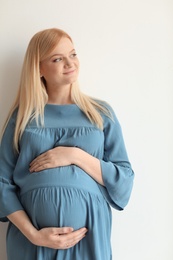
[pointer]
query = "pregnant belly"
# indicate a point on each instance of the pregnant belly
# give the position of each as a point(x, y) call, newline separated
point(62, 197)
point(57, 207)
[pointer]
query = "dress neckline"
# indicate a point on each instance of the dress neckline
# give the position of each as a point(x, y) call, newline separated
point(70, 108)
point(58, 105)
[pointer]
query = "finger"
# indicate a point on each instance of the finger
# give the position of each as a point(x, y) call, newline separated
point(76, 239)
point(67, 238)
point(38, 162)
point(75, 235)
point(38, 168)
point(38, 158)
point(80, 231)
point(64, 230)
point(79, 234)
point(72, 242)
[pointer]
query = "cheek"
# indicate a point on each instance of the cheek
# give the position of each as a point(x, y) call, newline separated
point(52, 72)
point(48, 68)
point(77, 64)
point(44, 70)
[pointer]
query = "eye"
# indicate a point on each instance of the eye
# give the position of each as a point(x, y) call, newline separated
point(73, 55)
point(57, 60)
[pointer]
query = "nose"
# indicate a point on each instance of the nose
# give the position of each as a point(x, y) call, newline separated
point(68, 63)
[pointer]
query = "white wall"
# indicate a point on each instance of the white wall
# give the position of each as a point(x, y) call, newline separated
point(126, 53)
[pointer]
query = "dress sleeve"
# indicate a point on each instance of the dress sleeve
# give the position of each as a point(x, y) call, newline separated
point(116, 169)
point(9, 201)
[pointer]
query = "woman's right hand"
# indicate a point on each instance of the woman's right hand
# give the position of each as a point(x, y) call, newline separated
point(58, 238)
point(53, 237)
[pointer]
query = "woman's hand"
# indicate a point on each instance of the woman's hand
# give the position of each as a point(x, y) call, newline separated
point(64, 156)
point(58, 238)
point(52, 237)
point(56, 157)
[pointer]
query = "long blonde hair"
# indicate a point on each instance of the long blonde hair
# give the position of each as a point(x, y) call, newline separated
point(32, 95)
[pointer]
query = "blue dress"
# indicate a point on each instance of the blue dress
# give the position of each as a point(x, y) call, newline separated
point(64, 196)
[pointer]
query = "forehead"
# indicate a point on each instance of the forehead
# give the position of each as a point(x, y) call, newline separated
point(64, 46)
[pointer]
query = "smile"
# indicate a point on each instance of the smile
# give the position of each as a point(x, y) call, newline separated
point(69, 72)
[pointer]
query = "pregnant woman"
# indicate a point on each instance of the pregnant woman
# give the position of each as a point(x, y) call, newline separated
point(63, 162)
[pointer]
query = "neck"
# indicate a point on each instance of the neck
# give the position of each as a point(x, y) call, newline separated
point(60, 96)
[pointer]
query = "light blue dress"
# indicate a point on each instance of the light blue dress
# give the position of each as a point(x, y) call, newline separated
point(64, 196)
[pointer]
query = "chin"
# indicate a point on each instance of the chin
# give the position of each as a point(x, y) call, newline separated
point(71, 81)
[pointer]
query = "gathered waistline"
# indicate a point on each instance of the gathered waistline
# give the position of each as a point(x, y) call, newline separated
point(88, 184)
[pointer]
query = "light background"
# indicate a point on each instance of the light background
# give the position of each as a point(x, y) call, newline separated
point(126, 54)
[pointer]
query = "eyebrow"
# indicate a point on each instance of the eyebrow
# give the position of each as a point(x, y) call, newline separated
point(60, 54)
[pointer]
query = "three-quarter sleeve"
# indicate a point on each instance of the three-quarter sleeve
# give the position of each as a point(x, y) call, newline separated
point(9, 201)
point(116, 169)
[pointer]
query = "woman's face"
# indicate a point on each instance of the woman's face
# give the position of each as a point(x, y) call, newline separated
point(62, 66)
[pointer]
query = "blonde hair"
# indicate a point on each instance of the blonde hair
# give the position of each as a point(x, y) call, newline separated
point(32, 96)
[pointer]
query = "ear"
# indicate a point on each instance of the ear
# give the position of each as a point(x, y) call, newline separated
point(41, 73)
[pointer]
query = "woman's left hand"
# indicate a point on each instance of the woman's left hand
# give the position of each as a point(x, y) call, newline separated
point(64, 156)
point(56, 157)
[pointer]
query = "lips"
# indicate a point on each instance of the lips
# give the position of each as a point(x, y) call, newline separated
point(69, 72)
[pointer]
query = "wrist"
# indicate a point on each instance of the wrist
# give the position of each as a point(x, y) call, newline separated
point(21, 220)
point(75, 155)
point(32, 235)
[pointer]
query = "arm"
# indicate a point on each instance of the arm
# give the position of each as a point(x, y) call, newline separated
point(89, 164)
point(116, 169)
point(57, 238)
point(11, 208)
point(113, 171)
point(9, 201)
point(63, 156)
